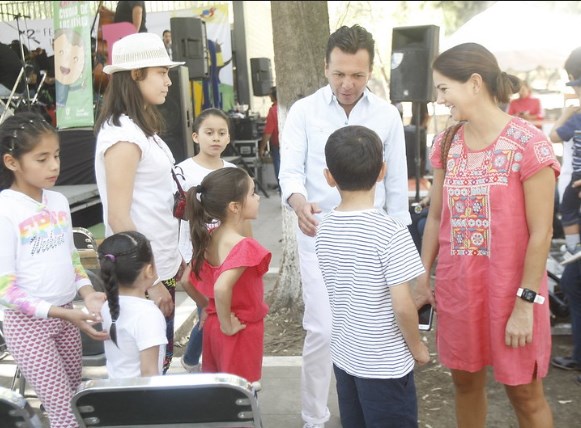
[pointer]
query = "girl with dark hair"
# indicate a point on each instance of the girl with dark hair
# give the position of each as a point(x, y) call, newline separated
point(40, 268)
point(490, 228)
point(211, 131)
point(133, 164)
point(227, 267)
point(135, 324)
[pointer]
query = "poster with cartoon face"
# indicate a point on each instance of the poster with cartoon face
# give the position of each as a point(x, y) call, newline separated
point(69, 62)
point(72, 63)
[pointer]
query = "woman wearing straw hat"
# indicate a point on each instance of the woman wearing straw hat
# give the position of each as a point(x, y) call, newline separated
point(133, 164)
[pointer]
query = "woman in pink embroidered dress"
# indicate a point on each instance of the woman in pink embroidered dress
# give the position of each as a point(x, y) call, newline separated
point(490, 227)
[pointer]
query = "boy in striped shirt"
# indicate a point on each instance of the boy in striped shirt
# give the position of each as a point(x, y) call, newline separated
point(367, 258)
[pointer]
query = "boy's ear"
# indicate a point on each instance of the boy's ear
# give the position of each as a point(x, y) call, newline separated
point(382, 172)
point(329, 177)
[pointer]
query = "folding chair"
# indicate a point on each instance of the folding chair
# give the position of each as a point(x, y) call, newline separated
point(16, 412)
point(85, 243)
point(171, 401)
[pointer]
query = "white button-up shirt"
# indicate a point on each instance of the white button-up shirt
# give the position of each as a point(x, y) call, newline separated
point(308, 125)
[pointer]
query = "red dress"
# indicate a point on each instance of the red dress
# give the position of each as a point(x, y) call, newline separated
point(240, 354)
point(482, 244)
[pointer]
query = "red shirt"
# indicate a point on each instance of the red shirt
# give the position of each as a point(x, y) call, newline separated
point(271, 126)
point(528, 105)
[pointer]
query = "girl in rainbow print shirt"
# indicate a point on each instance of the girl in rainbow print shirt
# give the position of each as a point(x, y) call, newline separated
point(40, 268)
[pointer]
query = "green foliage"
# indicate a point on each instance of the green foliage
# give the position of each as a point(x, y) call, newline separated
point(457, 13)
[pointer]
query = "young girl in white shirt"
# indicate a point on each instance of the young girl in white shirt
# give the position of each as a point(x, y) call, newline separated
point(40, 268)
point(135, 324)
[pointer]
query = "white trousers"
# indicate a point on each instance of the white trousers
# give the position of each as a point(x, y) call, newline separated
point(317, 366)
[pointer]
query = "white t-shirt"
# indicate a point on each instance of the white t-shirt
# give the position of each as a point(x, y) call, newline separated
point(153, 190)
point(362, 254)
point(39, 264)
point(193, 174)
point(141, 325)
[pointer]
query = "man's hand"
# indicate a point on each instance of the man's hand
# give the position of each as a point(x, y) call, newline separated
point(305, 211)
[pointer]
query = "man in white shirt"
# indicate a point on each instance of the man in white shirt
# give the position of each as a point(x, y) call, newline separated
point(310, 121)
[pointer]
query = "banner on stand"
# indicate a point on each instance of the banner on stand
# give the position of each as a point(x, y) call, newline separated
point(73, 66)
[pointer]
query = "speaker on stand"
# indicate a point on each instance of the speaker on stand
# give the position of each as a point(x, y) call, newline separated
point(413, 49)
point(261, 71)
point(190, 44)
point(178, 114)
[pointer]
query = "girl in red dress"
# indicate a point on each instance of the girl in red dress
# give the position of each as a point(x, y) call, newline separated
point(227, 267)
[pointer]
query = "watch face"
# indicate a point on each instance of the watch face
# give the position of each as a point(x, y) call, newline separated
point(528, 295)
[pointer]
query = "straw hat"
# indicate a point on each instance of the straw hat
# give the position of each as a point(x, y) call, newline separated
point(139, 50)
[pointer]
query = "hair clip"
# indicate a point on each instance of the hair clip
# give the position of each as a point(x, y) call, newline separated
point(110, 257)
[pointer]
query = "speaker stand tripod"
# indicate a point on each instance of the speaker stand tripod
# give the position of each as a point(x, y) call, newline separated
point(249, 170)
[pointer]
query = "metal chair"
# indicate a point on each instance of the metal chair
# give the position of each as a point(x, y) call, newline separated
point(16, 412)
point(171, 401)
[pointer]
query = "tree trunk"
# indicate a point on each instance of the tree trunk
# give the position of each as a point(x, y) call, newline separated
point(300, 33)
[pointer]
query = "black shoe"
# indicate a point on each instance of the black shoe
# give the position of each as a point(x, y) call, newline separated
point(565, 363)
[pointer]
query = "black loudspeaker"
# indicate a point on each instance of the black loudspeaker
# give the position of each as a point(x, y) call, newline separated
point(190, 44)
point(413, 49)
point(261, 71)
point(244, 128)
point(178, 114)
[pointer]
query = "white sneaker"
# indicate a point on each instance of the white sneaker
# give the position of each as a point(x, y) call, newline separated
point(308, 425)
point(571, 257)
point(195, 368)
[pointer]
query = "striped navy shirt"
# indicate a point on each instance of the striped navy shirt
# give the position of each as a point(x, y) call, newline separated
point(361, 255)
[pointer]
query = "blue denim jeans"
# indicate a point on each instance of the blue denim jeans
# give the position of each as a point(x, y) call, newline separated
point(193, 350)
point(376, 403)
point(275, 155)
point(571, 286)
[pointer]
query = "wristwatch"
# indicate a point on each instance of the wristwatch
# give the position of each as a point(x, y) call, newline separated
point(530, 296)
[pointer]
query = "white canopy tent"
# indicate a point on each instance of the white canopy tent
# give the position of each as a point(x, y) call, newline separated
point(522, 35)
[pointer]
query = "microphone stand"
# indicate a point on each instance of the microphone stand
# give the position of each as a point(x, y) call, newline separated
point(26, 88)
point(417, 157)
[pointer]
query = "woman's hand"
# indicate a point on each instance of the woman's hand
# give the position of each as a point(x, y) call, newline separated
point(519, 328)
point(422, 291)
point(161, 297)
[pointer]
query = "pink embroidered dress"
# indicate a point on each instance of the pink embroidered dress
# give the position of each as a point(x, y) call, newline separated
point(483, 239)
